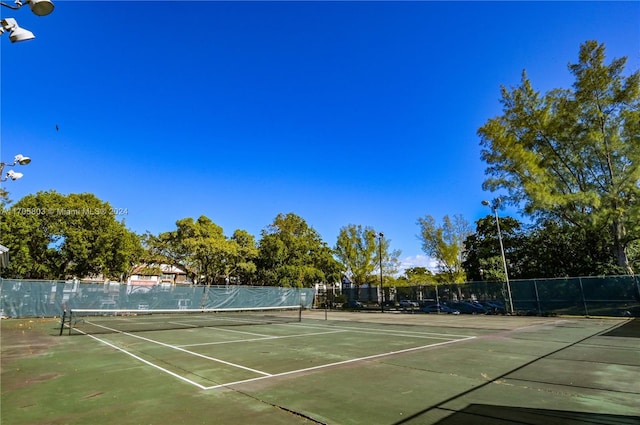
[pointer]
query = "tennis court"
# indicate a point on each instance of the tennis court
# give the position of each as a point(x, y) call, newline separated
point(335, 368)
point(213, 353)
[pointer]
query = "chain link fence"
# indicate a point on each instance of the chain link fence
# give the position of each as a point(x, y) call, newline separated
point(33, 298)
point(584, 296)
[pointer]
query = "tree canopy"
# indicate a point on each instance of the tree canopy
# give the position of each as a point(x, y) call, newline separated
point(201, 247)
point(444, 243)
point(358, 249)
point(292, 254)
point(57, 236)
point(573, 154)
point(483, 259)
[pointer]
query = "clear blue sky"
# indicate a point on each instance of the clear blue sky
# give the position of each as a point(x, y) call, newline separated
point(340, 112)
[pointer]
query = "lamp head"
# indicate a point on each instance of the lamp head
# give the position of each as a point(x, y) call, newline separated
point(21, 159)
point(13, 175)
point(16, 33)
point(485, 203)
point(41, 7)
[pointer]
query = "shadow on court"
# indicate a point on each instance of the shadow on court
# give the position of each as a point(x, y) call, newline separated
point(481, 414)
point(385, 369)
point(630, 329)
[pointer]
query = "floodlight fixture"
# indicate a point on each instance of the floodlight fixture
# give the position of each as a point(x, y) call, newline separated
point(16, 34)
point(41, 7)
point(17, 160)
point(38, 7)
point(13, 175)
point(380, 237)
point(495, 205)
point(21, 159)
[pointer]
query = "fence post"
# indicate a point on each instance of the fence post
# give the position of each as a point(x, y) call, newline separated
point(584, 301)
point(535, 288)
point(64, 317)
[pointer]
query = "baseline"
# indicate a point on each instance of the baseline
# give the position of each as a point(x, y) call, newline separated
point(265, 375)
point(328, 365)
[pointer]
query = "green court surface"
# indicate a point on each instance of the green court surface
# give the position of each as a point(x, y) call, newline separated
point(334, 368)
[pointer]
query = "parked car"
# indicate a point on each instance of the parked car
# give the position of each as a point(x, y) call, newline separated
point(408, 304)
point(354, 304)
point(466, 307)
point(435, 308)
point(494, 307)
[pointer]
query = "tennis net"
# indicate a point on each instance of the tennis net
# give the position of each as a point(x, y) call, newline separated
point(101, 321)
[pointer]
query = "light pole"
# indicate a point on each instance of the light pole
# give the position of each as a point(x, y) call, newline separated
point(380, 236)
point(17, 160)
point(16, 33)
point(494, 207)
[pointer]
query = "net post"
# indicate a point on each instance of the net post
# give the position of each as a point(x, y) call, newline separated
point(64, 317)
point(300, 313)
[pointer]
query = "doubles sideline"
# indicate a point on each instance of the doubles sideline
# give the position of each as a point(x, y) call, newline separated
point(448, 339)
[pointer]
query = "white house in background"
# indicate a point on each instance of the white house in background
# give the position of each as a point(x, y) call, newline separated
point(146, 276)
point(4, 256)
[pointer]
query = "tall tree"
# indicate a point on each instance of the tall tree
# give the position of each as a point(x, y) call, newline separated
point(573, 154)
point(199, 246)
point(358, 248)
point(244, 252)
point(553, 249)
point(292, 254)
point(483, 258)
point(546, 250)
point(419, 276)
point(444, 243)
point(55, 236)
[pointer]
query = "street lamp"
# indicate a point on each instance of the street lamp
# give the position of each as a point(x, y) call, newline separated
point(380, 236)
point(16, 33)
point(12, 175)
point(494, 207)
point(38, 7)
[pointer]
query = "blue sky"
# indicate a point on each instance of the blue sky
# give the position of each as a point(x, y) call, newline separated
point(340, 112)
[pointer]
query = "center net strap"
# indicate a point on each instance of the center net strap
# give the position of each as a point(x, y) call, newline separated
point(100, 321)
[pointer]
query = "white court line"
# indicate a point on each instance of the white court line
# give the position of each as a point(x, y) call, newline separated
point(260, 339)
point(264, 374)
point(383, 331)
point(122, 350)
point(217, 328)
point(360, 359)
point(183, 350)
point(213, 328)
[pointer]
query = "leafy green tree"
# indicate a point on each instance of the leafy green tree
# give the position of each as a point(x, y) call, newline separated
point(556, 249)
point(55, 236)
point(292, 254)
point(244, 252)
point(358, 249)
point(444, 243)
point(483, 258)
point(415, 276)
point(199, 246)
point(547, 250)
point(573, 155)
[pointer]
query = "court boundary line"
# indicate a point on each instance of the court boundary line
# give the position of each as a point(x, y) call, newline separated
point(265, 375)
point(265, 338)
point(147, 362)
point(340, 363)
point(438, 335)
point(174, 347)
